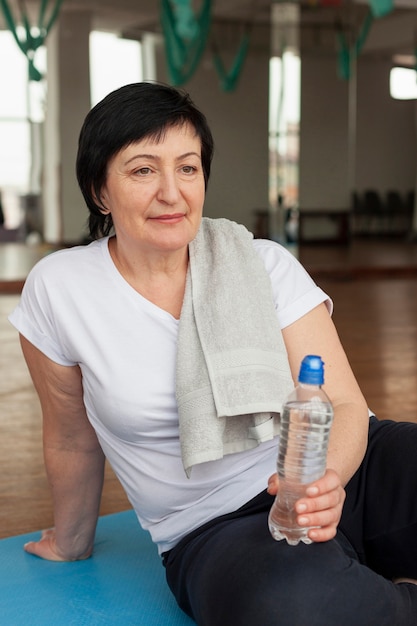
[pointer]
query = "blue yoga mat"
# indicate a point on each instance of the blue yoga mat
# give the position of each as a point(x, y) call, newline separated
point(123, 583)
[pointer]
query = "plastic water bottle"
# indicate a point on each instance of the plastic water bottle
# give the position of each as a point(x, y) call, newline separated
point(305, 426)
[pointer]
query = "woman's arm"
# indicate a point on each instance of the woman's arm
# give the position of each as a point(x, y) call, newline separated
point(322, 506)
point(315, 333)
point(73, 458)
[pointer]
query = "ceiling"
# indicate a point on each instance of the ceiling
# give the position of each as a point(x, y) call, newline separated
point(144, 14)
point(133, 17)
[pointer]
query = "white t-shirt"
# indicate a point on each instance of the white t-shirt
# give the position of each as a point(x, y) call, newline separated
point(78, 309)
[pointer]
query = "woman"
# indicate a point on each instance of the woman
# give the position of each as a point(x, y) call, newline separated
point(127, 339)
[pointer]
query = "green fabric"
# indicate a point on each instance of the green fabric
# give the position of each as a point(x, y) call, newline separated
point(34, 37)
point(343, 57)
point(186, 26)
point(346, 53)
point(185, 37)
point(364, 32)
point(228, 80)
point(380, 8)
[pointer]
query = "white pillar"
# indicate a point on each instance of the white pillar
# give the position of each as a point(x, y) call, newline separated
point(414, 222)
point(284, 115)
point(150, 42)
point(51, 166)
point(68, 102)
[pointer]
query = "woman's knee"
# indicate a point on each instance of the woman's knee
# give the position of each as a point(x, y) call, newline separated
point(318, 585)
point(237, 575)
point(277, 585)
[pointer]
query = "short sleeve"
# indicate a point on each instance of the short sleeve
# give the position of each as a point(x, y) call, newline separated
point(294, 291)
point(34, 315)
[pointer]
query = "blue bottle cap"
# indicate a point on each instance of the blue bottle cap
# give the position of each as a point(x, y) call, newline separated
point(311, 370)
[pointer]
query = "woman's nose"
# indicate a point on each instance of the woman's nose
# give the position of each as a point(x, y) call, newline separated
point(168, 188)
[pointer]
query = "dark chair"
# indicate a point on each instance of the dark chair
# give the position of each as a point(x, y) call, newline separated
point(410, 199)
point(410, 202)
point(361, 222)
point(395, 209)
point(375, 209)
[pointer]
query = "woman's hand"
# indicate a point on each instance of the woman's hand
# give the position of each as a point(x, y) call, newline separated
point(322, 506)
point(46, 548)
point(73, 456)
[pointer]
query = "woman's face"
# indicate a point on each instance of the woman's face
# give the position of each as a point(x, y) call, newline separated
point(155, 191)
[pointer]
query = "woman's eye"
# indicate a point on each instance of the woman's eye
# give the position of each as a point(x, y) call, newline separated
point(188, 169)
point(143, 171)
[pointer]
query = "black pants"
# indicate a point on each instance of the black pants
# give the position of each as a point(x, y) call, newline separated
point(230, 572)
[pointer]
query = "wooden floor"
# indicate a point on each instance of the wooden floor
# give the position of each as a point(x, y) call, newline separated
point(374, 288)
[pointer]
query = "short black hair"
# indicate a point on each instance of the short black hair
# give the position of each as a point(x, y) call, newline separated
point(125, 116)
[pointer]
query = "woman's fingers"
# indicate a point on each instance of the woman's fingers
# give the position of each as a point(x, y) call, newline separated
point(321, 507)
point(273, 484)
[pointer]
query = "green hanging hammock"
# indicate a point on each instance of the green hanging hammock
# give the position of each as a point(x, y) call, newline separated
point(346, 53)
point(380, 8)
point(34, 36)
point(228, 80)
point(185, 37)
point(377, 8)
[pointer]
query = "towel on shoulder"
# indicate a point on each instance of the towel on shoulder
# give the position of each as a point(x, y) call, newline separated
point(232, 373)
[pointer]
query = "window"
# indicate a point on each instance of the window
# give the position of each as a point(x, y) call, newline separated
point(21, 104)
point(403, 83)
point(21, 108)
point(114, 62)
point(284, 120)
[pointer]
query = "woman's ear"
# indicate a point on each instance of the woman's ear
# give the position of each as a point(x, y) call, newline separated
point(104, 210)
point(99, 200)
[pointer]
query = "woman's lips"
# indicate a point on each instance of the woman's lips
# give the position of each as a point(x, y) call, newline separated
point(169, 218)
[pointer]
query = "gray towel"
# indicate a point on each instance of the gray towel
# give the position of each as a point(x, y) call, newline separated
point(232, 367)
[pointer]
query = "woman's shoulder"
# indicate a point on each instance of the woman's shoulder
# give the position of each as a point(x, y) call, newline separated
point(274, 254)
point(66, 262)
